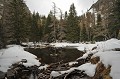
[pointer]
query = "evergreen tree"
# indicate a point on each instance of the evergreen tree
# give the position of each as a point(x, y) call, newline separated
point(114, 24)
point(1, 35)
point(38, 24)
point(99, 31)
point(41, 24)
point(66, 15)
point(48, 24)
point(19, 20)
point(5, 24)
point(38, 20)
point(99, 20)
point(34, 27)
point(84, 35)
point(48, 28)
point(72, 25)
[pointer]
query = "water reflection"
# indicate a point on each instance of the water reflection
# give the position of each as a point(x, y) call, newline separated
point(52, 55)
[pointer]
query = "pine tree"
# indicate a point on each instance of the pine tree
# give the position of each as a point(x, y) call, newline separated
point(41, 25)
point(48, 28)
point(99, 20)
point(84, 35)
point(66, 15)
point(34, 27)
point(19, 20)
point(99, 30)
point(114, 24)
point(5, 25)
point(72, 25)
point(48, 24)
point(1, 36)
point(37, 27)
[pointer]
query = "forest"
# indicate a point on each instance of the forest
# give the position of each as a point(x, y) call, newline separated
point(61, 45)
point(18, 24)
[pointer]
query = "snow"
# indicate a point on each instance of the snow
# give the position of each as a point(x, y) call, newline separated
point(79, 46)
point(111, 58)
point(86, 47)
point(72, 63)
point(104, 50)
point(43, 67)
point(55, 73)
point(14, 54)
point(109, 44)
point(64, 44)
point(88, 68)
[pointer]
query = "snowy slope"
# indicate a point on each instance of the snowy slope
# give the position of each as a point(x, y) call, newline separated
point(108, 56)
point(105, 50)
point(13, 54)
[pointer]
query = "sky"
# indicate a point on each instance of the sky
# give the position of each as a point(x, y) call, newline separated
point(43, 7)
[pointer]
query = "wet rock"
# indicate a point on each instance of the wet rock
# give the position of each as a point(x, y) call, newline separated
point(84, 60)
point(94, 48)
point(2, 75)
point(18, 72)
point(77, 74)
point(116, 49)
point(81, 61)
point(88, 57)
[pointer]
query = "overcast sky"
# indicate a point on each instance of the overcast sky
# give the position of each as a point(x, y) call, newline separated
point(44, 6)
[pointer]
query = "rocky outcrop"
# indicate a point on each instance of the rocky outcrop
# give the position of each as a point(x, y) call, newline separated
point(102, 72)
point(2, 75)
point(95, 60)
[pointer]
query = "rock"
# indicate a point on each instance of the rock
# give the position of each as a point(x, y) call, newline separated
point(81, 61)
point(2, 75)
point(106, 73)
point(88, 57)
point(94, 48)
point(116, 49)
point(77, 74)
point(102, 72)
point(95, 60)
point(11, 72)
point(24, 61)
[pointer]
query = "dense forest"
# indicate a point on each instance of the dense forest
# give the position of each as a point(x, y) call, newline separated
point(18, 25)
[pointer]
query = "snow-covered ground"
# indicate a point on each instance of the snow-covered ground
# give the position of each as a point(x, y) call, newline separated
point(110, 57)
point(88, 68)
point(14, 54)
point(105, 50)
point(79, 46)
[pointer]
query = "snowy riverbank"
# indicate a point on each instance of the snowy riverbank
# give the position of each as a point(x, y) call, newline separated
point(106, 50)
point(14, 54)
